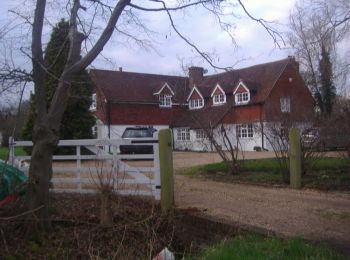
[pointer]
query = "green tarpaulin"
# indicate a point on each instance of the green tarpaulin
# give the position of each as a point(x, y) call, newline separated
point(11, 181)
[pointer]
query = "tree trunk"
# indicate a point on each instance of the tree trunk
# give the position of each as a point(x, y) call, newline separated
point(348, 153)
point(40, 173)
point(106, 218)
point(233, 167)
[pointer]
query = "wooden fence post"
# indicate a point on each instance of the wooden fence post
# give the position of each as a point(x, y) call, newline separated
point(166, 170)
point(11, 153)
point(295, 159)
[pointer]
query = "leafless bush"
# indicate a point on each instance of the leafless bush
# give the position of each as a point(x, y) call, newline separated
point(107, 181)
point(276, 133)
point(227, 145)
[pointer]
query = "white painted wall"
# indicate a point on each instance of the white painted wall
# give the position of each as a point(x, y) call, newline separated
point(194, 144)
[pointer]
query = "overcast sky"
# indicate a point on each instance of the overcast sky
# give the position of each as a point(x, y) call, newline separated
point(253, 44)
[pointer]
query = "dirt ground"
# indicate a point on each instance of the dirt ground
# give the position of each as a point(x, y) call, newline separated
point(313, 215)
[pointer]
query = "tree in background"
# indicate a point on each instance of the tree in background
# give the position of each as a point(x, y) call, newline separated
point(316, 29)
point(325, 98)
point(77, 121)
point(11, 121)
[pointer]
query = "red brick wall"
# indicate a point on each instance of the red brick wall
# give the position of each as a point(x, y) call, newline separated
point(301, 101)
point(137, 114)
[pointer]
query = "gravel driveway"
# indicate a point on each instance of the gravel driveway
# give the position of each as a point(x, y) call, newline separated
point(313, 215)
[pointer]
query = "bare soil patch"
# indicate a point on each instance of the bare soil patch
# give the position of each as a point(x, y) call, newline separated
point(139, 231)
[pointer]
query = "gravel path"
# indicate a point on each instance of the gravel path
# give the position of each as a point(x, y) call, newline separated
point(313, 215)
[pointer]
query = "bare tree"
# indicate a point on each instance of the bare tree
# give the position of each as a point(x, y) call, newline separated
point(85, 44)
point(317, 25)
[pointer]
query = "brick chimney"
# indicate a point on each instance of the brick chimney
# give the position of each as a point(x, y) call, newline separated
point(195, 75)
point(293, 61)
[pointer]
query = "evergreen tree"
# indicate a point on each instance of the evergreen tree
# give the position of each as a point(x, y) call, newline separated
point(325, 98)
point(77, 120)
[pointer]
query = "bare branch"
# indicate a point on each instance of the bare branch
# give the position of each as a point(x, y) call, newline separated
point(275, 35)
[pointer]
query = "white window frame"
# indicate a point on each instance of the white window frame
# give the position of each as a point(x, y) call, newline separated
point(93, 103)
point(94, 131)
point(245, 131)
point(242, 98)
point(200, 134)
point(183, 134)
point(219, 99)
point(165, 100)
point(285, 104)
point(196, 103)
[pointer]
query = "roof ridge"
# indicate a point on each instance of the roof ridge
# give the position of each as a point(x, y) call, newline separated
point(139, 73)
point(249, 67)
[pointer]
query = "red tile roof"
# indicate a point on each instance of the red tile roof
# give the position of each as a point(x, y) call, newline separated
point(120, 86)
point(130, 87)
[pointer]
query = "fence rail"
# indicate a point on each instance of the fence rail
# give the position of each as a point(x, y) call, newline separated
point(80, 173)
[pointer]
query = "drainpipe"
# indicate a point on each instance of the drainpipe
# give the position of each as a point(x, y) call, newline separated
point(109, 118)
point(108, 111)
point(172, 133)
point(262, 129)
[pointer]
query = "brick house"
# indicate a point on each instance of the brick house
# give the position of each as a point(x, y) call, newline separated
point(241, 100)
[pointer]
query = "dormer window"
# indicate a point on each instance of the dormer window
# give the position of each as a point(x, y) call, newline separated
point(195, 99)
point(218, 99)
point(242, 97)
point(165, 95)
point(242, 94)
point(196, 103)
point(218, 95)
point(165, 100)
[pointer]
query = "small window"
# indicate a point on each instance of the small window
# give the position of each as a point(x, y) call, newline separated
point(164, 100)
point(285, 104)
point(200, 134)
point(183, 134)
point(244, 131)
point(219, 99)
point(242, 98)
point(93, 103)
point(196, 103)
point(94, 131)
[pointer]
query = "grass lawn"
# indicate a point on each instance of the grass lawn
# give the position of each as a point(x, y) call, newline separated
point(18, 151)
point(326, 173)
point(253, 246)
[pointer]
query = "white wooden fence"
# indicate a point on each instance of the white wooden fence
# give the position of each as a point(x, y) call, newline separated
point(81, 173)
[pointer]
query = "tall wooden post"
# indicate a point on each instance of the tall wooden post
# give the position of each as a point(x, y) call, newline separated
point(295, 159)
point(166, 170)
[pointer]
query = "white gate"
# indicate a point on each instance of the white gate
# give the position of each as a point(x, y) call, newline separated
point(96, 162)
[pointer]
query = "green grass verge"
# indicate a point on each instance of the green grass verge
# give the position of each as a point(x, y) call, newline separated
point(253, 246)
point(323, 173)
point(267, 165)
point(18, 151)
